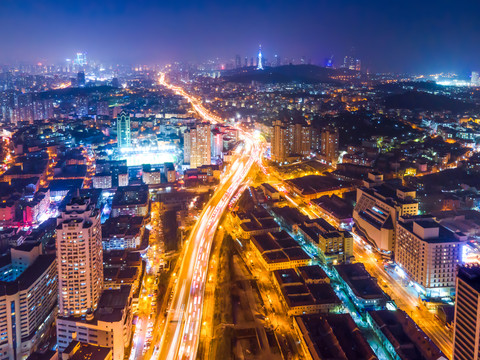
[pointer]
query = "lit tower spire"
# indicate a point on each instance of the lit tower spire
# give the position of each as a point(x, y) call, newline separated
point(260, 65)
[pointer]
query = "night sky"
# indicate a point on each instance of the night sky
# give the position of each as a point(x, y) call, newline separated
point(388, 35)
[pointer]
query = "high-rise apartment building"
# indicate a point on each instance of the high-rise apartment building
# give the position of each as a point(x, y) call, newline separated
point(217, 144)
point(429, 253)
point(290, 140)
point(123, 130)
point(101, 318)
point(279, 142)
point(466, 334)
point(197, 145)
point(28, 297)
point(80, 258)
point(329, 143)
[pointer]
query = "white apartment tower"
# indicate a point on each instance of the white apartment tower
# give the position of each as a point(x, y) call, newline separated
point(199, 140)
point(79, 258)
point(429, 253)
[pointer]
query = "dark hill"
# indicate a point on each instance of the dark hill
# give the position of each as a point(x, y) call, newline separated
point(283, 74)
point(417, 100)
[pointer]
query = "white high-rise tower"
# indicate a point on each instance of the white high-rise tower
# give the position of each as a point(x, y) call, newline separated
point(79, 258)
point(260, 60)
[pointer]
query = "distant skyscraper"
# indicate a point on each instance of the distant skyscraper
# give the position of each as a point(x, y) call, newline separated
point(199, 141)
point(329, 143)
point(79, 258)
point(278, 60)
point(245, 63)
point(123, 130)
point(238, 62)
point(466, 338)
point(80, 59)
point(115, 82)
point(351, 63)
point(81, 79)
point(475, 79)
point(260, 59)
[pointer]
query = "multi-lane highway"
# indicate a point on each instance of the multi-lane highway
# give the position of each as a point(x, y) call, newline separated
point(179, 334)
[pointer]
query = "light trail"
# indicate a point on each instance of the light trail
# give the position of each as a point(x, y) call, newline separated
point(181, 332)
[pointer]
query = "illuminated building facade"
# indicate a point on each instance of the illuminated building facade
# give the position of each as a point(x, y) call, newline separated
point(429, 253)
point(290, 140)
point(80, 259)
point(27, 301)
point(329, 143)
point(199, 149)
point(123, 130)
point(378, 207)
point(466, 338)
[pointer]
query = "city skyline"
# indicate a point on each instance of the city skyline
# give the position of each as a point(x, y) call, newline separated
point(384, 37)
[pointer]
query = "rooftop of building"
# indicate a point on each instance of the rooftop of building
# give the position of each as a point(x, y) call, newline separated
point(65, 184)
point(334, 336)
point(28, 277)
point(470, 275)
point(335, 205)
point(290, 215)
point(82, 351)
point(122, 226)
point(360, 281)
point(269, 188)
point(408, 340)
point(130, 195)
point(388, 193)
point(312, 184)
point(444, 235)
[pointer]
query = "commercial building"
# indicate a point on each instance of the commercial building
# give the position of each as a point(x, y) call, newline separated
point(306, 296)
point(197, 145)
point(361, 286)
point(332, 336)
point(256, 222)
point(123, 130)
point(429, 254)
point(79, 255)
point(122, 232)
point(81, 351)
point(337, 211)
point(170, 172)
point(401, 337)
point(466, 339)
point(27, 300)
point(333, 246)
point(270, 192)
point(378, 207)
point(151, 176)
point(130, 200)
point(278, 251)
point(102, 181)
point(109, 326)
point(314, 186)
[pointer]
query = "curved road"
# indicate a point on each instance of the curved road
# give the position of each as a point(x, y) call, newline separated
point(181, 332)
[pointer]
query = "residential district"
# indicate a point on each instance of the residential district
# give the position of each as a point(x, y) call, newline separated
point(245, 209)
